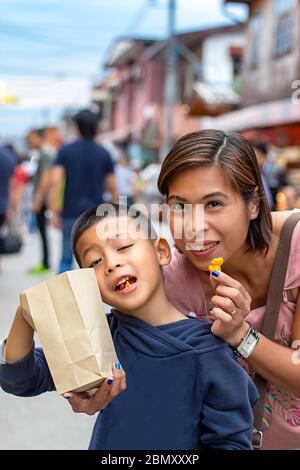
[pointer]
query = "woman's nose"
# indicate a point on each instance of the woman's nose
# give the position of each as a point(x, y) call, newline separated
point(194, 223)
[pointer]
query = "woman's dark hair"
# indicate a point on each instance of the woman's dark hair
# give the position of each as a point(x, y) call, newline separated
point(235, 156)
point(95, 214)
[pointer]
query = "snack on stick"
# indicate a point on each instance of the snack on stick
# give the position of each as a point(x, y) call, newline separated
point(216, 264)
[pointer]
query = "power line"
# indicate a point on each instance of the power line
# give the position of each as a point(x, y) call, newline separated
point(29, 34)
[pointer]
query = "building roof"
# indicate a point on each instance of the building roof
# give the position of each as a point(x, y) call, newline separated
point(190, 37)
point(127, 49)
point(238, 1)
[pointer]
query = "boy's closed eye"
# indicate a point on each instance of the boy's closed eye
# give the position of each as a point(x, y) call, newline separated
point(97, 261)
point(124, 247)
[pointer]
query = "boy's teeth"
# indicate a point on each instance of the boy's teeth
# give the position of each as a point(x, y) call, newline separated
point(124, 283)
point(123, 280)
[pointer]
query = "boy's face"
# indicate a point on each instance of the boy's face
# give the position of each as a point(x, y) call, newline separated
point(127, 265)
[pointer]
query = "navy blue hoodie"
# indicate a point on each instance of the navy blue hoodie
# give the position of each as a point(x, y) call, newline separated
point(185, 389)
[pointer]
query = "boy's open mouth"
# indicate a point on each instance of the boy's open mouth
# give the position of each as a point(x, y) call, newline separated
point(125, 283)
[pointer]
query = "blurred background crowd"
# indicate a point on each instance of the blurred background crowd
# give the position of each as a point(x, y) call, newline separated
point(55, 179)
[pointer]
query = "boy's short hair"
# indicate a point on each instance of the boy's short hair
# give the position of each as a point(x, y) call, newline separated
point(95, 214)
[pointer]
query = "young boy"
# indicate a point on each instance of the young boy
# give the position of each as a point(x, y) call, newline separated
point(184, 388)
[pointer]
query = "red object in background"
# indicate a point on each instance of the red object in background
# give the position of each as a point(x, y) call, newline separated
point(281, 135)
point(20, 176)
point(253, 135)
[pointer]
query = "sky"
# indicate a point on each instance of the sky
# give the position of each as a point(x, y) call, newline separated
point(71, 39)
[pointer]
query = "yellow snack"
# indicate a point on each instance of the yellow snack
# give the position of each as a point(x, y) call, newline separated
point(216, 264)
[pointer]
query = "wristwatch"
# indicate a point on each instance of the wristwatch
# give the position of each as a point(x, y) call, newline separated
point(248, 343)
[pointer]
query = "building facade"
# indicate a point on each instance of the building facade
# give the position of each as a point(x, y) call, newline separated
point(131, 97)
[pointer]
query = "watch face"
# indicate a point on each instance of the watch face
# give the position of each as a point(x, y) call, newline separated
point(248, 342)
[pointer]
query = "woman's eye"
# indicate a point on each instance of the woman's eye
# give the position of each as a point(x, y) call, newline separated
point(214, 204)
point(95, 263)
point(124, 247)
point(177, 207)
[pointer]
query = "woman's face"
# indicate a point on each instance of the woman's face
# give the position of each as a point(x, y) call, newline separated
point(226, 215)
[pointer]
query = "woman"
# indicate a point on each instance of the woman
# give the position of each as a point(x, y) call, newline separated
point(220, 172)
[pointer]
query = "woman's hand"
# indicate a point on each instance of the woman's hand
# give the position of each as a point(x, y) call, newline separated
point(108, 390)
point(229, 306)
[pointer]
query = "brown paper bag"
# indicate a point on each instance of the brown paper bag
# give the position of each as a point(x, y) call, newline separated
point(67, 314)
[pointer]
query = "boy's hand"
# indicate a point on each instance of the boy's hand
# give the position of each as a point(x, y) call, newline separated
point(230, 305)
point(108, 390)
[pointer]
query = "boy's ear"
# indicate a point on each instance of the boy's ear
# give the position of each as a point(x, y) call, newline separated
point(163, 251)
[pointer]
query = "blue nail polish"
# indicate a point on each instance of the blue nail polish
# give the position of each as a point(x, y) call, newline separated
point(109, 382)
point(118, 366)
point(215, 274)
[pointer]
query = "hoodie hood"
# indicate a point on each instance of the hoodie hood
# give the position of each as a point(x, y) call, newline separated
point(164, 340)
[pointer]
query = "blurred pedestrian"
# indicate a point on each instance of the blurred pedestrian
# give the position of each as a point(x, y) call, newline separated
point(148, 177)
point(273, 176)
point(85, 170)
point(126, 177)
point(147, 191)
point(19, 182)
point(261, 152)
point(287, 199)
point(41, 183)
point(7, 166)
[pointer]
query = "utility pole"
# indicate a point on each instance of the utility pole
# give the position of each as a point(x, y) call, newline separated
point(170, 79)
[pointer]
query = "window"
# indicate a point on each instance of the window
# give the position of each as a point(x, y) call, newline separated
point(285, 26)
point(255, 28)
point(283, 6)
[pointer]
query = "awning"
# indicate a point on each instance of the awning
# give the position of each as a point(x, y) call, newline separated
point(262, 115)
point(218, 94)
point(101, 94)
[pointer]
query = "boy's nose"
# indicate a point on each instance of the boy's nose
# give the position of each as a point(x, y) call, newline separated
point(109, 269)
